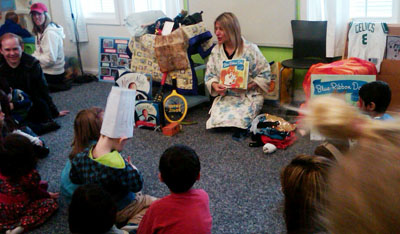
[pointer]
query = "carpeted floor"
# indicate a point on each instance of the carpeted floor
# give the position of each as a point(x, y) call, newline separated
point(242, 182)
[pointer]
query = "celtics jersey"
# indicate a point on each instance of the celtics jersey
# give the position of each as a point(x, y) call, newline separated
point(368, 41)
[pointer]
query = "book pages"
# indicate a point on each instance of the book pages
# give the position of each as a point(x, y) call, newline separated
point(119, 118)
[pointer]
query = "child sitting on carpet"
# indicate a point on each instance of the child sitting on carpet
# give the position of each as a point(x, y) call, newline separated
point(104, 165)
point(92, 210)
point(87, 127)
point(304, 184)
point(374, 99)
point(24, 201)
point(185, 210)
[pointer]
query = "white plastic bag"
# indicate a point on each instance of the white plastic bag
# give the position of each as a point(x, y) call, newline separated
point(135, 21)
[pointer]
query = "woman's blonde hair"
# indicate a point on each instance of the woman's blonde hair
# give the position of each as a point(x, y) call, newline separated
point(304, 185)
point(87, 126)
point(230, 25)
point(364, 186)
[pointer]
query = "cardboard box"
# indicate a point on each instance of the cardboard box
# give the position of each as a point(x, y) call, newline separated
point(393, 47)
point(390, 73)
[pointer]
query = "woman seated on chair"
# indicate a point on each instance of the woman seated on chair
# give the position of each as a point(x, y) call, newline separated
point(235, 107)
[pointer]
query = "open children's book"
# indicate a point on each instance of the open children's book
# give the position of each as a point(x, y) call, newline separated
point(234, 73)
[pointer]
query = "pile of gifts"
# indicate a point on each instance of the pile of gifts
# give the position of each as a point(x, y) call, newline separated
point(272, 132)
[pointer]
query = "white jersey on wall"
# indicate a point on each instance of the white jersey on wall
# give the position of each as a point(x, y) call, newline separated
point(368, 41)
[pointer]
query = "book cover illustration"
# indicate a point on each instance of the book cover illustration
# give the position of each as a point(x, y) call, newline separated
point(234, 73)
point(148, 114)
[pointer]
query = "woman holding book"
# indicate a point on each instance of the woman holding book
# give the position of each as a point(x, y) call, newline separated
point(235, 105)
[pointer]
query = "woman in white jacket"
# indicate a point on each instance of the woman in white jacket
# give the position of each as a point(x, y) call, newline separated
point(49, 47)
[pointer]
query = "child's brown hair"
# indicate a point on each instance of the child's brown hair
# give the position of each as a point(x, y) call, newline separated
point(16, 157)
point(304, 184)
point(87, 127)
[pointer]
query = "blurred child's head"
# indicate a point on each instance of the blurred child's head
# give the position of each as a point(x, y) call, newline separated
point(375, 97)
point(333, 117)
point(87, 127)
point(332, 149)
point(364, 188)
point(303, 184)
point(16, 157)
point(363, 185)
point(92, 210)
point(179, 168)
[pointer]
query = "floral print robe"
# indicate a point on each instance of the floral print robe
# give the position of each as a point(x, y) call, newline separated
point(237, 109)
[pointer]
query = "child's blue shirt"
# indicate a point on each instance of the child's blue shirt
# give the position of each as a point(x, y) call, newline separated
point(384, 117)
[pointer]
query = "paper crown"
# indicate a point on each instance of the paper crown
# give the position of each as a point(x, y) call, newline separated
point(119, 116)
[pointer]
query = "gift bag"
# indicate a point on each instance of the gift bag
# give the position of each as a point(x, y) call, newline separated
point(171, 51)
point(286, 86)
point(273, 91)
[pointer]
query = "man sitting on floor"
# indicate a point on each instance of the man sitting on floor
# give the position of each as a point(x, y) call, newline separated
point(19, 70)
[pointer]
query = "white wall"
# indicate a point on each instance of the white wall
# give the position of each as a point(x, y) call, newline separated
point(89, 50)
point(263, 22)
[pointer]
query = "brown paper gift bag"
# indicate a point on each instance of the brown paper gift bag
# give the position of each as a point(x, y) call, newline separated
point(274, 84)
point(171, 51)
point(286, 86)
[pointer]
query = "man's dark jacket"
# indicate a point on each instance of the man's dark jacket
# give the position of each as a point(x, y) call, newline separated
point(28, 77)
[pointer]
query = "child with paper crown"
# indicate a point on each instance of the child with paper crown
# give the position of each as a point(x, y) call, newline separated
point(102, 164)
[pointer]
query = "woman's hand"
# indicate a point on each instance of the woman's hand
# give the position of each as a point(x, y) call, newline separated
point(219, 88)
point(252, 85)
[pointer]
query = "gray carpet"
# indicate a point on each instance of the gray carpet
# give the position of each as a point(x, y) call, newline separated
point(242, 182)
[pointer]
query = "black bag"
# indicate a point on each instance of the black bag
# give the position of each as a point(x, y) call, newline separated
point(193, 18)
